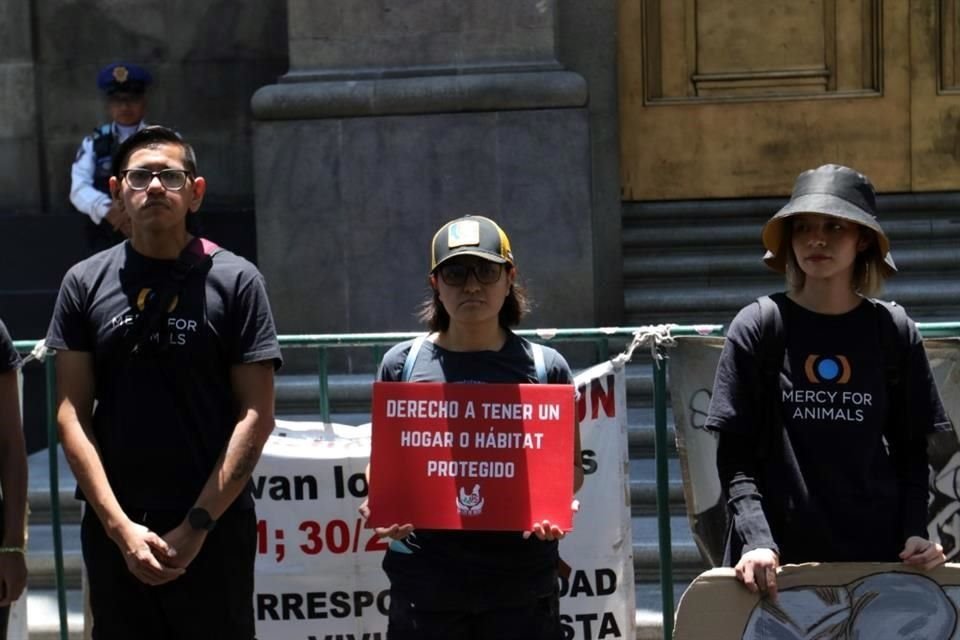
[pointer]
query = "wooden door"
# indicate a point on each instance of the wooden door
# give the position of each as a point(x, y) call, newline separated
point(733, 98)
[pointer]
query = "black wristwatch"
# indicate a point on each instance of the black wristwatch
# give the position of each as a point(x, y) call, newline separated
point(199, 518)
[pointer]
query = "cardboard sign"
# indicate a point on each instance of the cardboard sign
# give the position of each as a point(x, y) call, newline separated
point(471, 456)
point(693, 363)
point(816, 601)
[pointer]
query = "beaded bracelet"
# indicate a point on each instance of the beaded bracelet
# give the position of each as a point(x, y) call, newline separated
point(12, 550)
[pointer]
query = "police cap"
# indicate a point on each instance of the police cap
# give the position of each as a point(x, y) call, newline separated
point(122, 77)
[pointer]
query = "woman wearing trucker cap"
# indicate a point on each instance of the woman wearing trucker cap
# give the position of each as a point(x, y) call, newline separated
point(823, 398)
point(471, 584)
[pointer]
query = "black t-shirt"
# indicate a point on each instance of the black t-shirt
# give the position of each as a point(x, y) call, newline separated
point(9, 358)
point(444, 570)
point(163, 418)
point(831, 491)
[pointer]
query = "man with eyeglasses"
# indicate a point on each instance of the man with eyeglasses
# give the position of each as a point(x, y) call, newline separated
point(125, 88)
point(172, 340)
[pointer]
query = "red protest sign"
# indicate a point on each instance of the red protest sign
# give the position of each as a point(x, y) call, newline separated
point(471, 456)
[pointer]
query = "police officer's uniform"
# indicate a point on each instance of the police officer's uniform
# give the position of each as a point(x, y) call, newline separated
point(92, 167)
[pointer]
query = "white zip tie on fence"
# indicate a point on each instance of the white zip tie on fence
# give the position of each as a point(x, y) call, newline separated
point(39, 353)
point(656, 335)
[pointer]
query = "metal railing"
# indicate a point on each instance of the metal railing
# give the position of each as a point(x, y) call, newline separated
point(599, 337)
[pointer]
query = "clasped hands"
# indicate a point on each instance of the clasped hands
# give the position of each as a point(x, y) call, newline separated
point(155, 559)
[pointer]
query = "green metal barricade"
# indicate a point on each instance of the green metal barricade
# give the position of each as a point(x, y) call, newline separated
point(599, 337)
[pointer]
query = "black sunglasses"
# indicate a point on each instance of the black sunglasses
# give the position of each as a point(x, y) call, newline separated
point(455, 274)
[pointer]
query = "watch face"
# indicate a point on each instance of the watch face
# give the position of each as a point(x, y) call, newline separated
point(200, 519)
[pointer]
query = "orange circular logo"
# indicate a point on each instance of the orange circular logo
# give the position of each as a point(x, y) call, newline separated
point(145, 294)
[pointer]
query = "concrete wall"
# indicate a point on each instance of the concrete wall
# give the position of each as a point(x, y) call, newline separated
point(346, 60)
point(341, 38)
point(587, 45)
point(19, 140)
point(344, 237)
point(406, 115)
point(207, 57)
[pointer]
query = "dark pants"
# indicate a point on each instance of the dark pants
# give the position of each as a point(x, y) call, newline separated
point(213, 600)
point(537, 621)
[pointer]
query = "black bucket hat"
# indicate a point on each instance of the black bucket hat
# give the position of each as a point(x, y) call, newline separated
point(832, 190)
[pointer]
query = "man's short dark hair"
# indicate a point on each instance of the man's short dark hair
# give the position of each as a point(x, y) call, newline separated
point(153, 135)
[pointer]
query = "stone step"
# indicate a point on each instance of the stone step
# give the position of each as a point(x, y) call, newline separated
point(40, 557)
point(649, 614)
point(38, 488)
point(643, 487)
point(651, 226)
point(695, 261)
point(43, 615)
point(685, 556)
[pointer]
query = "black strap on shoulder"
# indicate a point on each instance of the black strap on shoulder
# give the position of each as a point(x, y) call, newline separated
point(894, 330)
point(772, 338)
point(196, 256)
point(894, 340)
point(770, 361)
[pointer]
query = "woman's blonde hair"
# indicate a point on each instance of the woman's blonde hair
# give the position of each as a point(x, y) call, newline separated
point(868, 273)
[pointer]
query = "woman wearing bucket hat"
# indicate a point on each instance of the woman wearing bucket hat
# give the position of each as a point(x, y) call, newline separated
point(819, 455)
point(472, 584)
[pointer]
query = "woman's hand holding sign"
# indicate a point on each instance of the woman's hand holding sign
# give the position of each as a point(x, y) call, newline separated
point(546, 530)
point(394, 531)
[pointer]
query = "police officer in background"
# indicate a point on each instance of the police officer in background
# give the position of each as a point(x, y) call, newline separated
point(124, 86)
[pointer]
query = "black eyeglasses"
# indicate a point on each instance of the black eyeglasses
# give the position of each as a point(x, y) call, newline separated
point(140, 179)
point(455, 274)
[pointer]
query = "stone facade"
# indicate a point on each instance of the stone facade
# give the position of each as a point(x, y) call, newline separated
point(396, 117)
point(207, 57)
point(396, 112)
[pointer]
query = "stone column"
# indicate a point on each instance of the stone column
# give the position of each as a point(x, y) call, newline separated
point(20, 171)
point(397, 115)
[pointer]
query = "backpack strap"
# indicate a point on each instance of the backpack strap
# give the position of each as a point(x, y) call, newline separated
point(539, 362)
point(772, 339)
point(196, 256)
point(411, 358)
point(894, 340)
point(771, 359)
point(894, 330)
